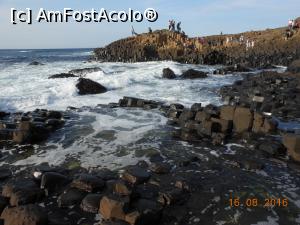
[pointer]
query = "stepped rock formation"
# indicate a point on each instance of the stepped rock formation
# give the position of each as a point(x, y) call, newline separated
point(270, 47)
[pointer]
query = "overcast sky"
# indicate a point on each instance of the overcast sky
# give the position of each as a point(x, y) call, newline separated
point(198, 17)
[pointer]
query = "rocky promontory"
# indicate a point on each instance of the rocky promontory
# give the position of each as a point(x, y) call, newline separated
point(252, 49)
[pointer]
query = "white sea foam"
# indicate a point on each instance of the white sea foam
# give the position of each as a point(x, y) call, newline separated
point(27, 88)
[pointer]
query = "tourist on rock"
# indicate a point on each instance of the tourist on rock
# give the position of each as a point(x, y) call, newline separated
point(150, 30)
point(133, 31)
point(290, 24)
point(173, 25)
point(179, 27)
point(170, 24)
point(242, 38)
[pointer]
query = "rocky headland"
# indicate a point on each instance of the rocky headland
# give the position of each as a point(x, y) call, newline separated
point(257, 49)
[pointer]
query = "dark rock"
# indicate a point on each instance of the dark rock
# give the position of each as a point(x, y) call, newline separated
point(106, 174)
point(121, 189)
point(294, 67)
point(112, 207)
point(62, 75)
point(16, 185)
point(54, 124)
point(86, 87)
point(193, 74)
point(70, 197)
point(149, 211)
point(91, 203)
point(35, 63)
point(176, 107)
point(5, 173)
point(160, 167)
point(82, 72)
point(58, 217)
point(3, 203)
point(88, 183)
point(272, 148)
point(146, 191)
point(196, 107)
point(135, 175)
point(52, 181)
point(26, 196)
point(24, 215)
point(171, 196)
point(168, 74)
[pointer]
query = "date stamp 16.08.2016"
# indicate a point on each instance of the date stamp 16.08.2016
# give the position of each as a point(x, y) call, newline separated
point(266, 202)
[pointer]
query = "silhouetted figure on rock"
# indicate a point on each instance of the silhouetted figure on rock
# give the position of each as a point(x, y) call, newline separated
point(133, 31)
point(179, 27)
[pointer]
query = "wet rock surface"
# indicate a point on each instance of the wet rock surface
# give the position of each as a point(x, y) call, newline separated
point(269, 92)
point(88, 87)
point(85, 71)
point(62, 75)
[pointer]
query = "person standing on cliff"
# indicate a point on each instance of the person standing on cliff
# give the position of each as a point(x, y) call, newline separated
point(290, 25)
point(133, 31)
point(179, 27)
point(170, 24)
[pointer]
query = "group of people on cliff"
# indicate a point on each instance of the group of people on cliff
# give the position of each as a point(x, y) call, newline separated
point(241, 40)
point(293, 25)
point(172, 25)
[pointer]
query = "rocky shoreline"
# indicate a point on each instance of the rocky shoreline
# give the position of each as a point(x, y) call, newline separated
point(164, 190)
point(231, 151)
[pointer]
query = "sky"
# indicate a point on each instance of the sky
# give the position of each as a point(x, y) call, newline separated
point(198, 18)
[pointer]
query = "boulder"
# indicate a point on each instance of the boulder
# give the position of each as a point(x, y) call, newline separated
point(243, 119)
point(168, 74)
point(149, 212)
point(272, 148)
point(196, 107)
point(160, 167)
point(113, 207)
point(225, 126)
point(23, 191)
point(24, 215)
point(26, 196)
point(193, 74)
point(5, 173)
point(70, 197)
point(82, 72)
point(35, 63)
point(91, 203)
point(208, 127)
point(133, 218)
point(121, 189)
point(87, 87)
point(202, 116)
point(3, 203)
point(62, 75)
point(52, 181)
point(294, 67)
point(135, 175)
point(270, 125)
point(292, 143)
point(88, 183)
point(227, 112)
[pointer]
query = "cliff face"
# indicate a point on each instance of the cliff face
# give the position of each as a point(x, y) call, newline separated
point(254, 49)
